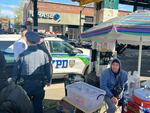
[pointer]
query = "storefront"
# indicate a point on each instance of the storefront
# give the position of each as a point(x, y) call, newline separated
point(62, 18)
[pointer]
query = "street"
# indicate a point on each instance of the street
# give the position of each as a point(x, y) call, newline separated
point(65, 41)
point(53, 95)
point(129, 61)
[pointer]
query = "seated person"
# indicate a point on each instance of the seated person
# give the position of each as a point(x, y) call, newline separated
point(113, 81)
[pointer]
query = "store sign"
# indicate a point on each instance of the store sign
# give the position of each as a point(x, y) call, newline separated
point(83, 2)
point(56, 16)
point(45, 15)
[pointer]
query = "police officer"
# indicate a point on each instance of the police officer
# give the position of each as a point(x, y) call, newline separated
point(33, 68)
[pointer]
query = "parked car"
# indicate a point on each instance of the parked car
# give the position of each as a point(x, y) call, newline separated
point(65, 58)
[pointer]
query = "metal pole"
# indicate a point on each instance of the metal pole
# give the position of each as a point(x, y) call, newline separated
point(135, 6)
point(80, 25)
point(35, 17)
point(98, 7)
point(140, 56)
point(80, 21)
point(9, 26)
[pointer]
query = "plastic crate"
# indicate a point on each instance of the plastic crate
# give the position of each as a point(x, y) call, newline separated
point(85, 95)
point(132, 107)
point(139, 101)
point(71, 78)
point(142, 93)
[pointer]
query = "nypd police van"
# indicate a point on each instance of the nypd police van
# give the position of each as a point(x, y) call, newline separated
point(65, 58)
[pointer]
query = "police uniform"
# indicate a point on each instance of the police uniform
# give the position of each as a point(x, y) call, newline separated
point(33, 67)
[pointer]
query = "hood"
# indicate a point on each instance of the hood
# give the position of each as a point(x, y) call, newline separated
point(117, 60)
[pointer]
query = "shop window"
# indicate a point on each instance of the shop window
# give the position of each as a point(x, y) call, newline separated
point(73, 33)
point(61, 47)
point(89, 19)
point(57, 29)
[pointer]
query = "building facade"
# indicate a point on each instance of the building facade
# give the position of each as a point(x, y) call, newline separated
point(62, 18)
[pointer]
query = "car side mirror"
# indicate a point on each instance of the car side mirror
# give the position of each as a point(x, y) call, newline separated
point(76, 51)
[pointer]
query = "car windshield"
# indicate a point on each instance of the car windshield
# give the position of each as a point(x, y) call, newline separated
point(6, 46)
point(61, 47)
point(68, 45)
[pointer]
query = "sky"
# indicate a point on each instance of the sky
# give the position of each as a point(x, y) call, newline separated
point(64, 1)
point(7, 7)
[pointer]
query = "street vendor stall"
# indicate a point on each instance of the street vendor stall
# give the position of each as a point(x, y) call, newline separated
point(131, 29)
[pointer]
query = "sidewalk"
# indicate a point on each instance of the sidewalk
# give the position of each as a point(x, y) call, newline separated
point(56, 92)
point(53, 94)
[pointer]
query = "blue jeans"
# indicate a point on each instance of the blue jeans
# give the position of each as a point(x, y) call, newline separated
point(111, 106)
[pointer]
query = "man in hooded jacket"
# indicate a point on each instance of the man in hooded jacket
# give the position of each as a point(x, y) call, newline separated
point(113, 80)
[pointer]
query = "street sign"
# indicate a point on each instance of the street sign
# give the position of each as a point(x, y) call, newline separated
point(83, 2)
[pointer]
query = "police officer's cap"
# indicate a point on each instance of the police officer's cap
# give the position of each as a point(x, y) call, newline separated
point(32, 37)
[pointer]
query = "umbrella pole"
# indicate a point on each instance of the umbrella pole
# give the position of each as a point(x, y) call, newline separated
point(140, 57)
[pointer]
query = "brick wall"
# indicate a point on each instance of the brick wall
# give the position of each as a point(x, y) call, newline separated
point(54, 7)
point(63, 8)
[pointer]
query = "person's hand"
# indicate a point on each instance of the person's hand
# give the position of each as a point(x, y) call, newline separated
point(48, 84)
point(114, 100)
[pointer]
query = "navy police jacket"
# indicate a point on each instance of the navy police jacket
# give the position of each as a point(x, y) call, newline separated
point(34, 64)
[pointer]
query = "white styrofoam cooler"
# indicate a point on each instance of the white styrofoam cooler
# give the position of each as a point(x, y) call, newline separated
point(142, 93)
point(85, 95)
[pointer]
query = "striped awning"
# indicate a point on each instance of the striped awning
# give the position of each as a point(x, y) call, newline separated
point(127, 29)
